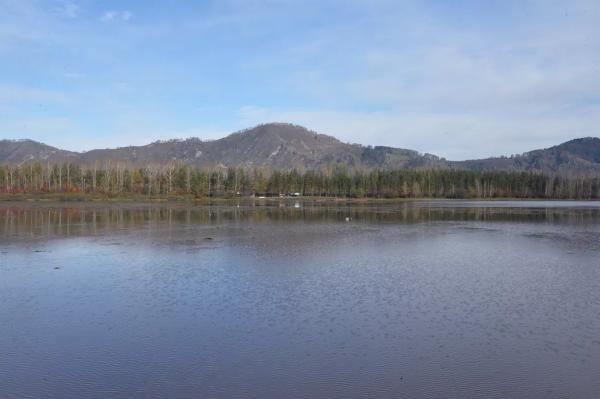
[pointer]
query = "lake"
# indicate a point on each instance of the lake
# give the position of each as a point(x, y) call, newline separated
point(293, 299)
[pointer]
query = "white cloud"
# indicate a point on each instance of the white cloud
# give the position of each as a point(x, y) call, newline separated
point(456, 83)
point(462, 91)
point(115, 15)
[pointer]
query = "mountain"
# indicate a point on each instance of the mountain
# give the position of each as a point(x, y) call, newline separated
point(274, 145)
point(286, 146)
point(19, 151)
point(579, 156)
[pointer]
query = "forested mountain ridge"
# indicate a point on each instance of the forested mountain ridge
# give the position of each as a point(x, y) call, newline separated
point(280, 146)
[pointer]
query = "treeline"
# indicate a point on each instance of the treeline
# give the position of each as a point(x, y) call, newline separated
point(334, 182)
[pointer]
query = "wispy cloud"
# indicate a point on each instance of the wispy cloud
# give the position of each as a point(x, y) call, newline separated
point(463, 80)
point(71, 10)
point(134, 136)
point(20, 94)
point(74, 75)
point(59, 128)
point(453, 135)
point(116, 15)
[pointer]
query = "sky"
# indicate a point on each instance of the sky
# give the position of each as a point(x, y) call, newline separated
point(459, 79)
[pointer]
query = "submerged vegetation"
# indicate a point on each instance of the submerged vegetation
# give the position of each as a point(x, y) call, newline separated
point(174, 179)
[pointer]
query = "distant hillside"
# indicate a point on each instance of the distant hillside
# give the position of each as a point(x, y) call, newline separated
point(19, 151)
point(274, 145)
point(579, 156)
point(286, 146)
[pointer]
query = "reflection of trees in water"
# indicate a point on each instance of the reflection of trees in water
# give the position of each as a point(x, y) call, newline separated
point(91, 220)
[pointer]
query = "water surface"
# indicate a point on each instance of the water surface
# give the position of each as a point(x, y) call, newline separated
point(435, 299)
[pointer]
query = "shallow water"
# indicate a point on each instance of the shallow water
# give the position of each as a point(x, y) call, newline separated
point(435, 299)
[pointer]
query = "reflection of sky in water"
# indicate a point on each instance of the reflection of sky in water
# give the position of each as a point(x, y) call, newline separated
point(403, 300)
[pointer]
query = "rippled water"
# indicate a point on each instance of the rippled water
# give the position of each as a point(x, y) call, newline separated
point(432, 299)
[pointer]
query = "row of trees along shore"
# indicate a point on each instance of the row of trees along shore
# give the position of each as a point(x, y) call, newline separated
point(180, 179)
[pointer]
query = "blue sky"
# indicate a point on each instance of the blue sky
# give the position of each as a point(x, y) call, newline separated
point(461, 79)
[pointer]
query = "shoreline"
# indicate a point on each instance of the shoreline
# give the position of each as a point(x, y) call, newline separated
point(72, 199)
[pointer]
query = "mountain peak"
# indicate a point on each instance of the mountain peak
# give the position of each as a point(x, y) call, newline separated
point(280, 129)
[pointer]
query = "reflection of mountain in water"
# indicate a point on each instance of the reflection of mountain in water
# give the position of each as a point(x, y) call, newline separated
point(90, 220)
